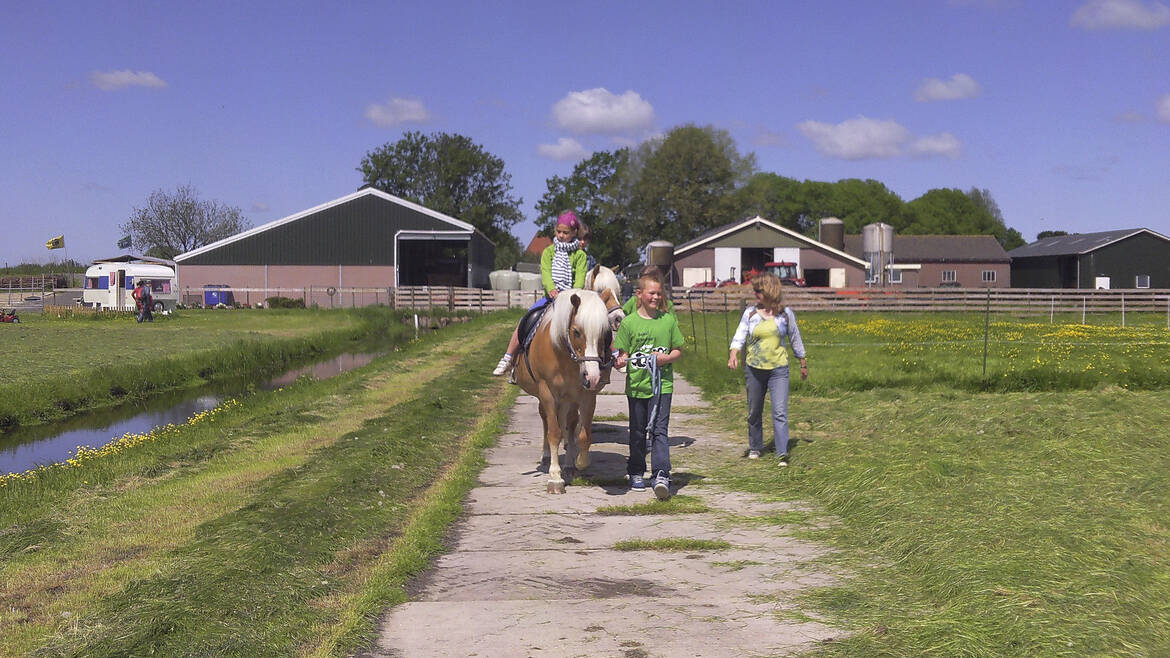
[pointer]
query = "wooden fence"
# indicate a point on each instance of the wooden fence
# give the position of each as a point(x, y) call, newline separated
point(415, 297)
point(1015, 301)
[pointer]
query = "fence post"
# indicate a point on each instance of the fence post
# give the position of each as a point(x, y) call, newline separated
point(703, 303)
point(450, 299)
point(1123, 309)
point(1084, 307)
point(986, 330)
point(1052, 310)
point(726, 330)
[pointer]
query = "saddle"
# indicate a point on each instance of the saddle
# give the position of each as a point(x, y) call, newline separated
point(526, 331)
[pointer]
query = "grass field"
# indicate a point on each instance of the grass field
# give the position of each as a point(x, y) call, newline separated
point(281, 525)
point(55, 367)
point(1021, 514)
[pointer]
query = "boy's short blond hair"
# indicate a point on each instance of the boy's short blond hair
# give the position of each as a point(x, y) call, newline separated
point(651, 274)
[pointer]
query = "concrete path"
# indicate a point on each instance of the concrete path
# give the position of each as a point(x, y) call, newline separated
point(535, 574)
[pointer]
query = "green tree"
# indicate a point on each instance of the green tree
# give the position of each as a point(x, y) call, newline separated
point(953, 212)
point(452, 175)
point(679, 184)
point(172, 223)
point(772, 197)
point(1050, 234)
point(595, 193)
point(1009, 237)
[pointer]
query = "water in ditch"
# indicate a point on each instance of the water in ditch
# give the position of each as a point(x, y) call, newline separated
point(29, 447)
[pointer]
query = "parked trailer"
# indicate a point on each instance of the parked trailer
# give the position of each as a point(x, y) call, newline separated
point(110, 285)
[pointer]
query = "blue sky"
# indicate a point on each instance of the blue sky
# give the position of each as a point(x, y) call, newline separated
point(1060, 109)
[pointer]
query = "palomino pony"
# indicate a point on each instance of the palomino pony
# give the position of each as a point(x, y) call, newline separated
point(604, 282)
point(562, 369)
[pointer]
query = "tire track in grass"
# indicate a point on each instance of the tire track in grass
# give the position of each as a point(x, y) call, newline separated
point(115, 534)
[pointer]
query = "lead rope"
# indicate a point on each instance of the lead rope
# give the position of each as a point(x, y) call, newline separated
point(656, 391)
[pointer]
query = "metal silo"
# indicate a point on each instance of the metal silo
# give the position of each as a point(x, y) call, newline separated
point(660, 253)
point(877, 247)
point(831, 231)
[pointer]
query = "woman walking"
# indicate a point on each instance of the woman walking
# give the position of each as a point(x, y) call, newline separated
point(763, 329)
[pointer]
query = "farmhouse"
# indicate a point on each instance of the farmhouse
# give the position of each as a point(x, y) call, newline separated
point(932, 261)
point(365, 239)
point(727, 252)
point(1126, 258)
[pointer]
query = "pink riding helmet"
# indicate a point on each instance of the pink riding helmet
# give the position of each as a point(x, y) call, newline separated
point(568, 218)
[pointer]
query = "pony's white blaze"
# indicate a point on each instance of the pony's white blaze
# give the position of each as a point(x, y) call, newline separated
point(592, 318)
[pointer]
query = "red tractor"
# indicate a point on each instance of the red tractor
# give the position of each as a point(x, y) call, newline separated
point(789, 273)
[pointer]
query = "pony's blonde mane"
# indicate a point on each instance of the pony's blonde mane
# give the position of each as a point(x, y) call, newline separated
point(605, 279)
point(591, 315)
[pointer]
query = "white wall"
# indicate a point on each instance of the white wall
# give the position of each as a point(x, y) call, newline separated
point(727, 261)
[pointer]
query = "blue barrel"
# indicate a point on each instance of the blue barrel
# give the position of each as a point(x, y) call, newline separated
point(217, 294)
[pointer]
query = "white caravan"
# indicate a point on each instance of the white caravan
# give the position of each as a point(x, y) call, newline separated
point(109, 284)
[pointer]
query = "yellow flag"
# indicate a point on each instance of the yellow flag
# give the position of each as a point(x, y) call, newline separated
point(56, 243)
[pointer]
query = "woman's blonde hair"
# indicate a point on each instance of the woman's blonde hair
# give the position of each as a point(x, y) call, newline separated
point(768, 285)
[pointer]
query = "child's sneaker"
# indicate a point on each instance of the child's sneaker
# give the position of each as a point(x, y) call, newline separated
point(662, 487)
point(637, 483)
point(502, 366)
point(753, 454)
point(782, 460)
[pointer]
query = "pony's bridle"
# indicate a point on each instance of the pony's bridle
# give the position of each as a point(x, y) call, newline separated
point(602, 362)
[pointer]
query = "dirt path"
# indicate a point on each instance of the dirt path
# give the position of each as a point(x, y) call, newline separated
point(533, 574)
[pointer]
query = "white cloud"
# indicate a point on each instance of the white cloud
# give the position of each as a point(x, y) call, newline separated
point(396, 111)
point(958, 87)
point(856, 139)
point(566, 148)
point(260, 206)
point(1111, 14)
point(864, 138)
point(599, 111)
point(114, 80)
point(1164, 108)
point(944, 144)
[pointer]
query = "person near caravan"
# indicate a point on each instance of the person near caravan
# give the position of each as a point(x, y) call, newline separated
point(145, 301)
point(763, 330)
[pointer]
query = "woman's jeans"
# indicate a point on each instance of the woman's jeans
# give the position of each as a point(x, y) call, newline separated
point(775, 381)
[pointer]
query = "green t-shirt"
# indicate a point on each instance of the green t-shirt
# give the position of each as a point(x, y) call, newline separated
point(638, 337)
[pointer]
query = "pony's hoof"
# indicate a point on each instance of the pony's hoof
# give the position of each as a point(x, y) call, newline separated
point(556, 487)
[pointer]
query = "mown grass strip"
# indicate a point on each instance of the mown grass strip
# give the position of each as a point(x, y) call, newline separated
point(420, 542)
point(680, 504)
point(672, 544)
point(246, 583)
point(270, 418)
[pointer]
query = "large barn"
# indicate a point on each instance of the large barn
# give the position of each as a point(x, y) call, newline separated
point(731, 250)
point(365, 239)
point(1127, 258)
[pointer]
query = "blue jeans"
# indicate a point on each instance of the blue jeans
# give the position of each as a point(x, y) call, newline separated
point(659, 442)
point(776, 383)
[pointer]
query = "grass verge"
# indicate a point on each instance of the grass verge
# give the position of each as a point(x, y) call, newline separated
point(675, 505)
point(263, 532)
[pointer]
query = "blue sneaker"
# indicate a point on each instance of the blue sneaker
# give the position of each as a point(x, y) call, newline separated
point(662, 486)
point(637, 483)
